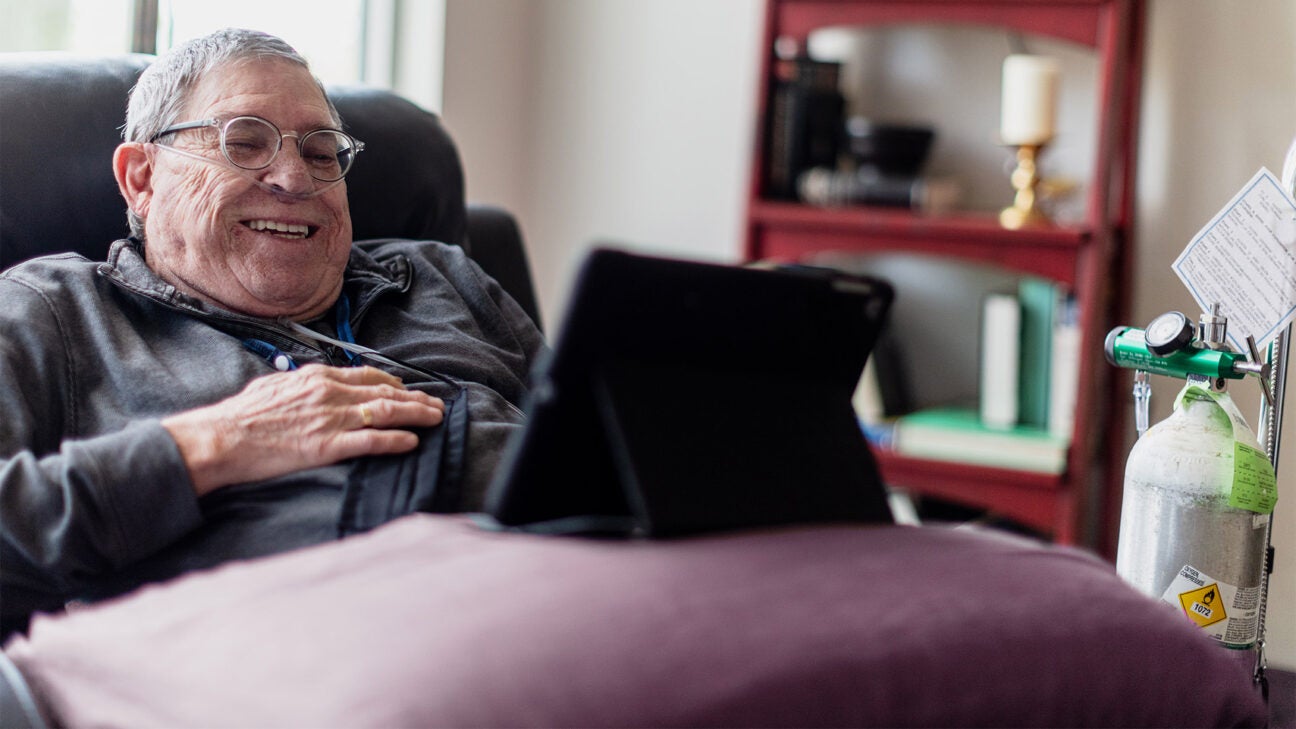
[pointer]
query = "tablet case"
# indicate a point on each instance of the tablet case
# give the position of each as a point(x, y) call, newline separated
point(683, 397)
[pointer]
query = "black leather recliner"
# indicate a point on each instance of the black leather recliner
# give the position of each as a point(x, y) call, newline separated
point(61, 117)
point(60, 120)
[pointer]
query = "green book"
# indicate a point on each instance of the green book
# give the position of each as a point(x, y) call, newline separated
point(1039, 300)
point(957, 435)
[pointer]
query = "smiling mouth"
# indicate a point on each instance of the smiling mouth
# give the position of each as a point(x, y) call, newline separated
point(281, 230)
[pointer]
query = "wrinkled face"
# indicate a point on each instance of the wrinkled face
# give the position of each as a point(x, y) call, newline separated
point(214, 233)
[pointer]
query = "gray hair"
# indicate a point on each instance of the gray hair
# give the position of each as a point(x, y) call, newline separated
point(164, 87)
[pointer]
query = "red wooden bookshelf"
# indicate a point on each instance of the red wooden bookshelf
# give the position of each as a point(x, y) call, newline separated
point(1092, 258)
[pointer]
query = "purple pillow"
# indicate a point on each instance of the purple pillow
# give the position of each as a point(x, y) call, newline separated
point(430, 621)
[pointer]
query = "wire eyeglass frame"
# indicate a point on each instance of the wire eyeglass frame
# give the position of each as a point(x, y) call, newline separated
point(348, 146)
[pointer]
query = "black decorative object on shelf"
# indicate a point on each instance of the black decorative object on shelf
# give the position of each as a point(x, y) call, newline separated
point(891, 149)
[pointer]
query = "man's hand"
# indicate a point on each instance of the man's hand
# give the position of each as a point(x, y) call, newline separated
point(290, 421)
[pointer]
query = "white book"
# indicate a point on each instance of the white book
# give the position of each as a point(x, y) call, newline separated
point(1064, 376)
point(869, 406)
point(1000, 359)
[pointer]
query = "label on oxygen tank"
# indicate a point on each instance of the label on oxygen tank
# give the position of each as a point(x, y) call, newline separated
point(1255, 486)
point(1227, 613)
point(1254, 482)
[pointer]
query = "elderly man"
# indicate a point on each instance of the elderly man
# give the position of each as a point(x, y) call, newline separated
point(238, 379)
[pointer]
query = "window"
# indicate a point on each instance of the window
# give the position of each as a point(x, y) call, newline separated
point(329, 33)
point(395, 44)
point(86, 26)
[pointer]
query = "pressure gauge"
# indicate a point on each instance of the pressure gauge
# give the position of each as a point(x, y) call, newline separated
point(1169, 333)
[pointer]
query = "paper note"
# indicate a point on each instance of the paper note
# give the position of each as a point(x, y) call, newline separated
point(1244, 259)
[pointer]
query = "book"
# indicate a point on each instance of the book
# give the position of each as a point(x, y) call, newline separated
point(883, 389)
point(1064, 374)
point(1038, 298)
point(806, 122)
point(867, 400)
point(958, 435)
point(999, 360)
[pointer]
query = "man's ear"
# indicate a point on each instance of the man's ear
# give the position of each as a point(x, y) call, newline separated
point(133, 167)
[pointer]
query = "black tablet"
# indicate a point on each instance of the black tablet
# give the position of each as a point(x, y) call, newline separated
point(683, 397)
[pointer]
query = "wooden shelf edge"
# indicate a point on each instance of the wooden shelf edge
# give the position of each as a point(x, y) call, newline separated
point(792, 231)
point(900, 469)
point(1039, 500)
point(968, 225)
point(1071, 20)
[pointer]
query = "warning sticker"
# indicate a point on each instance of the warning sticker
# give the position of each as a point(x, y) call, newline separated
point(1228, 613)
point(1203, 605)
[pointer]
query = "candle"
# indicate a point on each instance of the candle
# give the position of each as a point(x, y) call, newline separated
point(1030, 85)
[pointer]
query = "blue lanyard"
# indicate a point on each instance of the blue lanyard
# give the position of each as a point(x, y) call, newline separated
point(342, 315)
point(284, 362)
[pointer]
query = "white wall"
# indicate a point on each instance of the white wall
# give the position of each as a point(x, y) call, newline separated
point(606, 120)
point(632, 121)
point(490, 91)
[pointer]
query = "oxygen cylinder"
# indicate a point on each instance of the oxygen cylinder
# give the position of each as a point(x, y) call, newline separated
point(1181, 541)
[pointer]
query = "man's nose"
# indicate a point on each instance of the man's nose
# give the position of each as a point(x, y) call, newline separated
point(288, 171)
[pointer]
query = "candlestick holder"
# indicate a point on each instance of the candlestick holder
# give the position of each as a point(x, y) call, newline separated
point(1025, 180)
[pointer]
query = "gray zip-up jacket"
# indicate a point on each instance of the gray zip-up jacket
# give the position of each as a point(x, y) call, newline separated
point(94, 497)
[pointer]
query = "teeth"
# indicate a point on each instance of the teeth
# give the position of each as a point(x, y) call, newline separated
point(285, 229)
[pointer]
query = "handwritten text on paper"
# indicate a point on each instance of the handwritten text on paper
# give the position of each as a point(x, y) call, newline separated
point(1244, 259)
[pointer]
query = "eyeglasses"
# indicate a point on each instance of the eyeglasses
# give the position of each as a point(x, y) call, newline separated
point(252, 143)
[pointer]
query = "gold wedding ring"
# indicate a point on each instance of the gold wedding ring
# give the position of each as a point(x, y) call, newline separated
point(366, 415)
